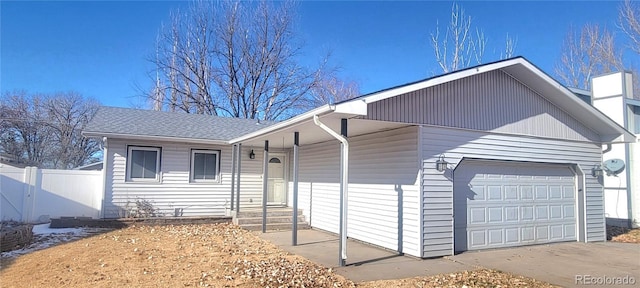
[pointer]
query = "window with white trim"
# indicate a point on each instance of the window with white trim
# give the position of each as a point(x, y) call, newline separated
point(205, 165)
point(143, 163)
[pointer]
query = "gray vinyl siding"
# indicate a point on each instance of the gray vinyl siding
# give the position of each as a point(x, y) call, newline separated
point(383, 167)
point(492, 101)
point(457, 144)
point(175, 190)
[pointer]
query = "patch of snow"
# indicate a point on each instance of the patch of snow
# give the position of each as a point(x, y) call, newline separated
point(43, 229)
point(44, 237)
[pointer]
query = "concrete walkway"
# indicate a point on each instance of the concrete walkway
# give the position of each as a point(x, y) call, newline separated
point(364, 262)
point(558, 264)
point(562, 264)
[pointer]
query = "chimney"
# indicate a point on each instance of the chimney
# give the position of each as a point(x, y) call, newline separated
point(610, 93)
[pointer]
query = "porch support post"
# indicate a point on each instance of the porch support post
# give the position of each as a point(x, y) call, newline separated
point(294, 234)
point(239, 152)
point(233, 174)
point(265, 183)
point(344, 183)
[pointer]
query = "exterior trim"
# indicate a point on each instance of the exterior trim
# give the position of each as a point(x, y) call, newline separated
point(191, 166)
point(421, 191)
point(105, 167)
point(154, 138)
point(158, 178)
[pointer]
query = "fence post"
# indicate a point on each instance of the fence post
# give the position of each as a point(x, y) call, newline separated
point(29, 191)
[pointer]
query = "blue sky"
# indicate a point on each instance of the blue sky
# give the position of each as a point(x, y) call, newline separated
point(100, 49)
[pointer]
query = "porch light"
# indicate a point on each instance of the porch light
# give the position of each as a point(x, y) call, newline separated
point(597, 171)
point(441, 164)
point(252, 155)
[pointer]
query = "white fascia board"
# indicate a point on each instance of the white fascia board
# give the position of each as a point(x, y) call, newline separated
point(154, 138)
point(355, 107)
point(440, 80)
point(284, 124)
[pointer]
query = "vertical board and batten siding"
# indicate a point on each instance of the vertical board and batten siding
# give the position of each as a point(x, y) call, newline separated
point(383, 188)
point(457, 144)
point(492, 101)
point(175, 189)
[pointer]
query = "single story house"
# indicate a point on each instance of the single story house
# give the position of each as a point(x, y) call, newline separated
point(496, 155)
point(612, 94)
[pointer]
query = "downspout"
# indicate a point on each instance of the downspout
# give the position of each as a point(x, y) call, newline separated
point(343, 187)
point(105, 167)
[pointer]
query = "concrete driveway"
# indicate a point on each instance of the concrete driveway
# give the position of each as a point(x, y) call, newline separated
point(569, 264)
point(557, 264)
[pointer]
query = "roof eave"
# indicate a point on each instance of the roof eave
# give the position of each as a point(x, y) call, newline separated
point(95, 134)
point(284, 124)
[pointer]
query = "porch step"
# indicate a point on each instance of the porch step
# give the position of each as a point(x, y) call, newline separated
point(278, 218)
point(251, 213)
point(270, 220)
point(274, 226)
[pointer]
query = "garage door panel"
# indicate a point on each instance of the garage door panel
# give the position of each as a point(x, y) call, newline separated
point(494, 214)
point(555, 211)
point(542, 213)
point(526, 192)
point(570, 231)
point(502, 204)
point(495, 236)
point(495, 193)
point(556, 232)
point(541, 192)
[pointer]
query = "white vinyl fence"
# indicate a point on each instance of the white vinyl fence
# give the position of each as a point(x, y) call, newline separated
point(35, 195)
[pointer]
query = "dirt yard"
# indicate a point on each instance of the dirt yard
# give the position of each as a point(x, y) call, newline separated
point(221, 255)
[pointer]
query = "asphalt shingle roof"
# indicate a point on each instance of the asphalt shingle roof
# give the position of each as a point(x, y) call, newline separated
point(116, 120)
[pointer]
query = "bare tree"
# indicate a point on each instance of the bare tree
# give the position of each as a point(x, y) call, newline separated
point(458, 47)
point(44, 131)
point(237, 59)
point(67, 115)
point(25, 135)
point(587, 53)
point(509, 47)
point(462, 45)
point(332, 89)
point(629, 23)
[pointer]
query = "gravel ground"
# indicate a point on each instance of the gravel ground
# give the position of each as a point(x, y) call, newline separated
point(625, 235)
point(220, 255)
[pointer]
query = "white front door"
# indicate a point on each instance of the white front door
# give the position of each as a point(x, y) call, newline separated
point(277, 185)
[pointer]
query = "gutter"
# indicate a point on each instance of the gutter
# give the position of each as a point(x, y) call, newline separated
point(344, 183)
point(92, 134)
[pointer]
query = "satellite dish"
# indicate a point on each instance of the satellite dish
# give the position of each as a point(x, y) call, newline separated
point(613, 166)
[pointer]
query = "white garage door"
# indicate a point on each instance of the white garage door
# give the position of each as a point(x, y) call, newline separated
point(503, 204)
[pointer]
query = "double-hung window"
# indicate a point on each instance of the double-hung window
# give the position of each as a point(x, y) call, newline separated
point(143, 164)
point(205, 165)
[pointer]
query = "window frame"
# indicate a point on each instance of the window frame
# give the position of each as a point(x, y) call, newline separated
point(192, 166)
point(128, 171)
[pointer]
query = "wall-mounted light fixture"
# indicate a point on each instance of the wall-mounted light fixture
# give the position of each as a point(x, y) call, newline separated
point(441, 164)
point(597, 171)
point(252, 155)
